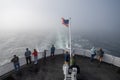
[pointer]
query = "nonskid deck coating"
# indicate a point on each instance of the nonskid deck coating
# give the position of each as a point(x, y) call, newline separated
point(51, 69)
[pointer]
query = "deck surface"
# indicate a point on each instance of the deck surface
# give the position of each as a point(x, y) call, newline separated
point(51, 69)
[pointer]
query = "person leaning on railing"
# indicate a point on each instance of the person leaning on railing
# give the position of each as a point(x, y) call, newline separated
point(16, 63)
point(100, 55)
point(93, 53)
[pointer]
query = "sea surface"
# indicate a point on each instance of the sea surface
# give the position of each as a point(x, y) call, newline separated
point(16, 42)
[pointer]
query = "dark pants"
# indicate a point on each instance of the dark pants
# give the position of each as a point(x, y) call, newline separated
point(52, 53)
point(28, 60)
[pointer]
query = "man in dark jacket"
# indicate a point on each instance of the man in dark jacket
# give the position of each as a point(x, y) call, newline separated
point(28, 56)
point(16, 63)
point(52, 50)
point(67, 57)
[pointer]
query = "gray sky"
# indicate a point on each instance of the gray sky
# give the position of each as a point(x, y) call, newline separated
point(86, 15)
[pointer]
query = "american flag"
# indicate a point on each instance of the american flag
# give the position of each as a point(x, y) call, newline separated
point(65, 22)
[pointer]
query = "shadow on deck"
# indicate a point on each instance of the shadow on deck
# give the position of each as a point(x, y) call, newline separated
point(51, 69)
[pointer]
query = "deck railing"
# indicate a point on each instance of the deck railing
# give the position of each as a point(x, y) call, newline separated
point(107, 58)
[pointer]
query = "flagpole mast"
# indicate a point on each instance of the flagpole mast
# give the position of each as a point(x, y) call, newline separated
point(70, 36)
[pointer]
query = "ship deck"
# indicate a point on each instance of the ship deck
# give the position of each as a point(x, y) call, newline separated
point(51, 69)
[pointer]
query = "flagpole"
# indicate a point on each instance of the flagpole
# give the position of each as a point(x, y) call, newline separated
point(70, 36)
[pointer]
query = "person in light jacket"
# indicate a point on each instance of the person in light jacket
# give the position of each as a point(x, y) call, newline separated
point(93, 53)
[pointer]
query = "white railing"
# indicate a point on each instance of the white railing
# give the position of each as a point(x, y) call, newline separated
point(9, 66)
point(107, 58)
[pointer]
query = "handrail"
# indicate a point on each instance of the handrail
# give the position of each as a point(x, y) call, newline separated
point(9, 66)
point(107, 58)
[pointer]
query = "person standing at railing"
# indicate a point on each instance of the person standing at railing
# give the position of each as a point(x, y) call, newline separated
point(35, 54)
point(16, 63)
point(52, 50)
point(100, 55)
point(44, 54)
point(28, 56)
point(93, 53)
